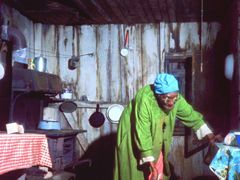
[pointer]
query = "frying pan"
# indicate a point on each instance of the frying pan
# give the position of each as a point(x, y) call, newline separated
point(97, 118)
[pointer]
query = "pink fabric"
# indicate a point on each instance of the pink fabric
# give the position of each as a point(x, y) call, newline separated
point(19, 151)
point(159, 166)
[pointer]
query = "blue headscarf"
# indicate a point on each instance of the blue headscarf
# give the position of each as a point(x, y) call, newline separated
point(165, 83)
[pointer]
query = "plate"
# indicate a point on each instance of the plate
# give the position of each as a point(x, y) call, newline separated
point(114, 112)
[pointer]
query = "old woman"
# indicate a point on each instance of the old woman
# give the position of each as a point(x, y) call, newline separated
point(146, 128)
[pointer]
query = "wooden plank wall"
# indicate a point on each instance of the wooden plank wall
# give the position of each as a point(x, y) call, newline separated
point(108, 77)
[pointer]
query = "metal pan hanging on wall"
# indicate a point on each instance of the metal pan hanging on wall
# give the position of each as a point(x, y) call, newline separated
point(97, 118)
point(114, 113)
point(68, 107)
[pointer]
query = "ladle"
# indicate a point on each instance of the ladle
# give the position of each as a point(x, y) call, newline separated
point(124, 51)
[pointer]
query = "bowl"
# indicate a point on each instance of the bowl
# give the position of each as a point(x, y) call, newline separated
point(49, 125)
point(237, 134)
point(66, 95)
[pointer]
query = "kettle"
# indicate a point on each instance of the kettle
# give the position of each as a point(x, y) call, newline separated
point(40, 64)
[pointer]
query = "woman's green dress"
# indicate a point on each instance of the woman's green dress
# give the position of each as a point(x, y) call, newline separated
point(145, 129)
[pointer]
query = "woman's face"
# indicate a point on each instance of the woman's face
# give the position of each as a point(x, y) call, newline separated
point(167, 101)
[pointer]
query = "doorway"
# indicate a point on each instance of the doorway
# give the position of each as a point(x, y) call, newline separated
point(181, 68)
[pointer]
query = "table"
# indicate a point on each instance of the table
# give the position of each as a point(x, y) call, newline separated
point(19, 151)
point(226, 162)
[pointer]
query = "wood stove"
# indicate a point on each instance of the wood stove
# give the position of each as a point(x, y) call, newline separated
point(62, 147)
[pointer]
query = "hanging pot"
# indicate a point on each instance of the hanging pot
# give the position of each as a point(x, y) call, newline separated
point(97, 118)
point(124, 51)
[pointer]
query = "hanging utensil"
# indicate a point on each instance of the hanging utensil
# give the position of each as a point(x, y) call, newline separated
point(68, 107)
point(40, 63)
point(124, 51)
point(73, 62)
point(114, 112)
point(97, 118)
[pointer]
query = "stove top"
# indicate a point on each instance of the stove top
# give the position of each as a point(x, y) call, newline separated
point(57, 133)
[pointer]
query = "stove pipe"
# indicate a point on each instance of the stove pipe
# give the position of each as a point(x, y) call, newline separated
point(18, 41)
point(15, 36)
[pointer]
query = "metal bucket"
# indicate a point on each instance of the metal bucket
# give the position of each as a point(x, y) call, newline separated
point(40, 64)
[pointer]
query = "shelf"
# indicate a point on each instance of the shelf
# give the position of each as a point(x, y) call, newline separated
point(27, 80)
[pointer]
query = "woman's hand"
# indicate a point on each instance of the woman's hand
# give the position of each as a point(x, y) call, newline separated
point(214, 138)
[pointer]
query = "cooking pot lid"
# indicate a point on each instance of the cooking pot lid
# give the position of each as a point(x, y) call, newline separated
point(68, 107)
point(114, 112)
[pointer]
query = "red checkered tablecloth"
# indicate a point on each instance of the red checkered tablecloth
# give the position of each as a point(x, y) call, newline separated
point(18, 151)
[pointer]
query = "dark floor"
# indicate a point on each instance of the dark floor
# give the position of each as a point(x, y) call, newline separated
point(81, 173)
point(205, 178)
